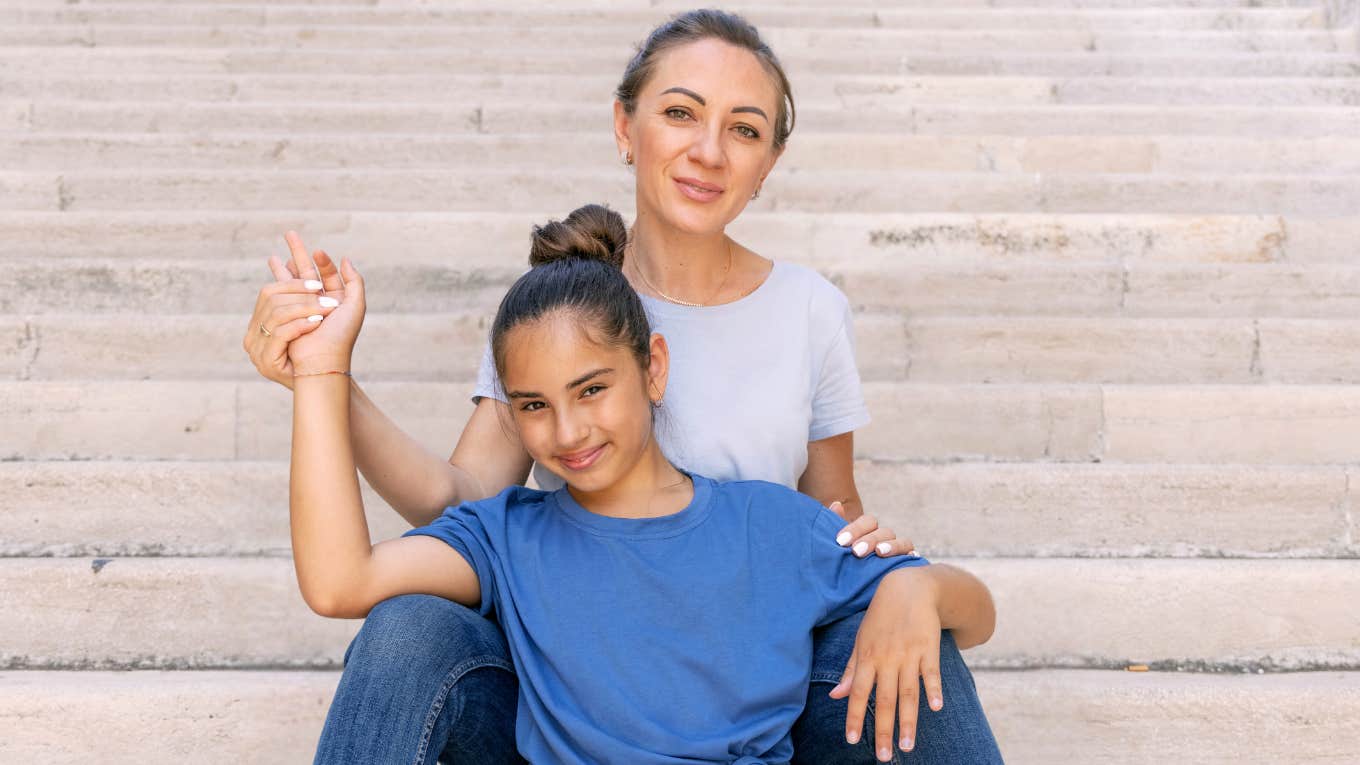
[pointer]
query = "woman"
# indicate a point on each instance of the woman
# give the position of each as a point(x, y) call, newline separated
point(703, 113)
point(722, 581)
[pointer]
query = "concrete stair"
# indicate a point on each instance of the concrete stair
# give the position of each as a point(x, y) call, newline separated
point(1104, 255)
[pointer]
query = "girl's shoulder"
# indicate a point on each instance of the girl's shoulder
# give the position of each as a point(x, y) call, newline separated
point(768, 500)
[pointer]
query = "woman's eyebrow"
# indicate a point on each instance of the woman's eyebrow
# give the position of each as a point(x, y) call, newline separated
point(702, 102)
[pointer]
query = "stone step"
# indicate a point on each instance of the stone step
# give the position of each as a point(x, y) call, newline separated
point(919, 422)
point(511, 118)
point(812, 90)
point(153, 717)
point(912, 289)
point(817, 152)
point(202, 613)
point(496, 240)
point(638, 20)
point(364, 37)
point(972, 350)
point(812, 191)
point(29, 61)
point(239, 508)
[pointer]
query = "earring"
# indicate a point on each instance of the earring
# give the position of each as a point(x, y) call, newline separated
point(626, 157)
point(656, 404)
point(756, 195)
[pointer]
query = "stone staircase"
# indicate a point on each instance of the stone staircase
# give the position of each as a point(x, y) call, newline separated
point(1105, 256)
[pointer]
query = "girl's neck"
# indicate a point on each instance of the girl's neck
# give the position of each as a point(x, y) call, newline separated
point(687, 266)
point(652, 488)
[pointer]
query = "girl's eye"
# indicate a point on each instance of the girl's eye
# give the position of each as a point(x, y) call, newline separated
point(532, 406)
point(587, 391)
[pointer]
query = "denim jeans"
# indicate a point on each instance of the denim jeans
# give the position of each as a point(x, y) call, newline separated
point(428, 680)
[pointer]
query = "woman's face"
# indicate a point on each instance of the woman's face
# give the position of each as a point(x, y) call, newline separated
point(581, 408)
point(701, 135)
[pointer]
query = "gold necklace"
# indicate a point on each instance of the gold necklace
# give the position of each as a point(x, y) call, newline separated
point(637, 267)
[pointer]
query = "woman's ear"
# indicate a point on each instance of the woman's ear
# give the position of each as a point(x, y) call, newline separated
point(622, 122)
point(658, 367)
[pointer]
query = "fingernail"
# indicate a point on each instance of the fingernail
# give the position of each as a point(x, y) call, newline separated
point(884, 754)
point(312, 284)
point(884, 548)
point(328, 302)
point(935, 703)
point(852, 737)
point(861, 548)
point(314, 318)
point(905, 743)
point(843, 538)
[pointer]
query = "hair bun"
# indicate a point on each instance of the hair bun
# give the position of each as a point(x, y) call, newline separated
point(592, 232)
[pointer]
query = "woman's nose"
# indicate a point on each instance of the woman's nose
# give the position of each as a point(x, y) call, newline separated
point(706, 148)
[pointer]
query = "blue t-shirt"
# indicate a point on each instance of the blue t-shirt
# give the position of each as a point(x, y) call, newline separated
point(680, 639)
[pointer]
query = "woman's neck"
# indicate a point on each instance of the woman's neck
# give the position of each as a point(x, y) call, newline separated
point(652, 488)
point(687, 266)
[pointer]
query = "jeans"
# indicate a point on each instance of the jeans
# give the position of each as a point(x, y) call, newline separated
point(427, 680)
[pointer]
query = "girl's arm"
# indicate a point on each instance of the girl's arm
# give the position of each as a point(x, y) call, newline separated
point(339, 571)
point(963, 603)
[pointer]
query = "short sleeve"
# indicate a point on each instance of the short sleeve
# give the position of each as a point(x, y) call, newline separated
point(460, 528)
point(488, 384)
point(844, 584)
point(838, 398)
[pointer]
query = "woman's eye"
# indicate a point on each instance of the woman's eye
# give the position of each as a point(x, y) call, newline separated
point(677, 113)
point(748, 131)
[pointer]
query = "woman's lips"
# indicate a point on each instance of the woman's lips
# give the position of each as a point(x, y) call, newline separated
point(583, 461)
point(698, 190)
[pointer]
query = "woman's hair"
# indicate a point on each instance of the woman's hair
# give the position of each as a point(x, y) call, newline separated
point(693, 26)
point(577, 266)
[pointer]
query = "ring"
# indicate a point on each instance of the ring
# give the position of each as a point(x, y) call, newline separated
point(264, 331)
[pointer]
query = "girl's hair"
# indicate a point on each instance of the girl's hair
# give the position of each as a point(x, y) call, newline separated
point(577, 266)
point(693, 26)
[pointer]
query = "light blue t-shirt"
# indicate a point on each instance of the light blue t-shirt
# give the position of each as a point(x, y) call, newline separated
point(680, 639)
point(751, 381)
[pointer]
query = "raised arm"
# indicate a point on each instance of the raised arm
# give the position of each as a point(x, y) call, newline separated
point(417, 483)
point(339, 571)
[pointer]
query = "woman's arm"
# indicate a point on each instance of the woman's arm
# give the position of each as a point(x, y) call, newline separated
point(419, 484)
point(415, 482)
point(830, 479)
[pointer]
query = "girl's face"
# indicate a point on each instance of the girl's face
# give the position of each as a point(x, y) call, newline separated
point(702, 135)
point(582, 408)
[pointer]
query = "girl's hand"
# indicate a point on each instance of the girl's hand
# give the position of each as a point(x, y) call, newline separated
point(897, 646)
point(863, 534)
point(284, 305)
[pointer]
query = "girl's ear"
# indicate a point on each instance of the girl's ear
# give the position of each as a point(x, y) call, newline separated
point(658, 366)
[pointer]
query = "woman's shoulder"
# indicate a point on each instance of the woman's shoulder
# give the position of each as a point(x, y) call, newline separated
point(807, 283)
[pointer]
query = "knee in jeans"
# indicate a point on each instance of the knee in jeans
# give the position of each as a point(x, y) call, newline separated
point(403, 628)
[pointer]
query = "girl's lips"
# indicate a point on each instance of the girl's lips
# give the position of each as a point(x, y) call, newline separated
point(584, 461)
point(697, 193)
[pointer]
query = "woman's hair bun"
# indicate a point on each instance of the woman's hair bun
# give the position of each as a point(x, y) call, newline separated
point(592, 232)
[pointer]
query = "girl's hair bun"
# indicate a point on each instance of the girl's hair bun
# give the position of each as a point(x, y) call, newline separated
point(592, 232)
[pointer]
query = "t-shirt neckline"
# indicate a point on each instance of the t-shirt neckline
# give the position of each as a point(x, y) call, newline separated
point(640, 528)
point(656, 304)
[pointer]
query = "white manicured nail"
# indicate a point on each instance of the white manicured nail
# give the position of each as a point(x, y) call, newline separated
point(328, 302)
point(861, 548)
point(312, 284)
point(843, 538)
point(314, 318)
point(884, 548)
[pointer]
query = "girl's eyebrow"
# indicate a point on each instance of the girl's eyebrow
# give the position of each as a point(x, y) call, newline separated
point(578, 382)
point(702, 102)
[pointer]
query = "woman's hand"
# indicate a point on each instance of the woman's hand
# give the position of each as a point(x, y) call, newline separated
point(864, 534)
point(897, 646)
point(301, 289)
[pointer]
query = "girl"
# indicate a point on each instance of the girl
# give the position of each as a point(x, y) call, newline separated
point(654, 615)
point(766, 388)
